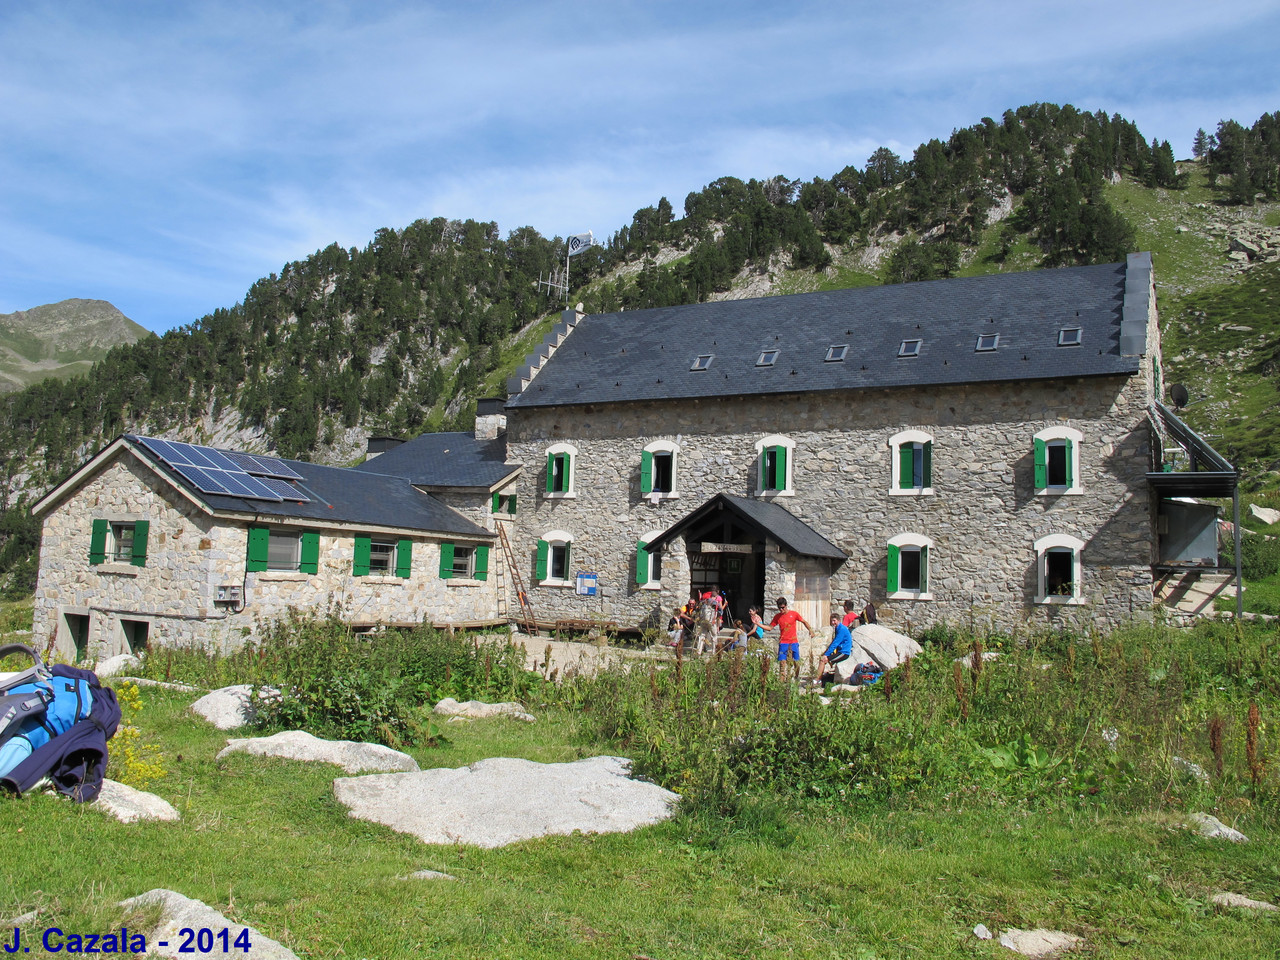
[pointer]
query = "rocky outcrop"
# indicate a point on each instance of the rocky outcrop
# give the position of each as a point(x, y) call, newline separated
point(350, 755)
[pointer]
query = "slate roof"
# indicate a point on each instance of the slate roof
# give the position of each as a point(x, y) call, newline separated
point(647, 354)
point(446, 460)
point(340, 495)
point(780, 524)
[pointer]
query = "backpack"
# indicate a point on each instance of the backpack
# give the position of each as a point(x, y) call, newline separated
point(36, 707)
point(23, 695)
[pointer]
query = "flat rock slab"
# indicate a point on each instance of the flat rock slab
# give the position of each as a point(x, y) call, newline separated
point(500, 801)
point(886, 647)
point(129, 805)
point(476, 709)
point(231, 707)
point(1265, 514)
point(1224, 899)
point(433, 875)
point(351, 755)
point(1038, 943)
point(162, 684)
point(178, 911)
point(1215, 829)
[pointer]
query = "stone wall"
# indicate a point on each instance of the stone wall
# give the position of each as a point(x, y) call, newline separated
point(191, 554)
point(983, 517)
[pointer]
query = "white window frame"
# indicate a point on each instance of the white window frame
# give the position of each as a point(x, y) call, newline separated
point(278, 535)
point(571, 491)
point(391, 551)
point(1060, 541)
point(788, 487)
point(468, 571)
point(666, 446)
point(915, 540)
point(895, 463)
point(557, 539)
point(655, 569)
point(115, 528)
point(1049, 435)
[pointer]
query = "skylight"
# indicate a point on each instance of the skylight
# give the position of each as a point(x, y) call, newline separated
point(987, 341)
point(910, 348)
point(767, 358)
point(703, 362)
point(1069, 337)
point(836, 352)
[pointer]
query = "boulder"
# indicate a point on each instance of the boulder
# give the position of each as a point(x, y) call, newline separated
point(501, 801)
point(127, 804)
point(1265, 514)
point(1215, 829)
point(117, 664)
point(350, 755)
point(886, 647)
point(1039, 942)
point(231, 707)
point(1224, 899)
point(1190, 770)
point(476, 709)
point(177, 912)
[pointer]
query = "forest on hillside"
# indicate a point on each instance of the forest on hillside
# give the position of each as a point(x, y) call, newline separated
point(397, 337)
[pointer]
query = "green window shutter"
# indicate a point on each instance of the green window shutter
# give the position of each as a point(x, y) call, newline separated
point(906, 466)
point(511, 505)
point(256, 559)
point(646, 472)
point(140, 530)
point(928, 463)
point(642, 564)
point(446, 561)
point(892, 585)
point(924, 569)
point(98, 542)
point(309, 555)
point(360, 562)
point(482, 562)
point(781, 477)
point(1067, 452)
point(568, 561)
point(540, 566)
point(551, 472)
point(496, 498)
point(764, 467)
point(404, 559)
point(1042, 459)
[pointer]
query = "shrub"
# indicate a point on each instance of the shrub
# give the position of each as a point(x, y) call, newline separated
point(1259, 557)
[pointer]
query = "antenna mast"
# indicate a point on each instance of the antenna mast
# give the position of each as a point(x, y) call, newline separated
point(560, 282)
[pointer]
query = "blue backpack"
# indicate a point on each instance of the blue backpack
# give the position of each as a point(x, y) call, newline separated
point(36, 706)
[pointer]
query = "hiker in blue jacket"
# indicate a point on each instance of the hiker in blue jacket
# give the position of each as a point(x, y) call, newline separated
point(839, 650)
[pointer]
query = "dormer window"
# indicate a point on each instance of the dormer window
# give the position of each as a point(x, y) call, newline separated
point(1069, 337)
point(910, 348)
point(767, 358)
point(987, 342)
point(703, 362)
point(837, 352)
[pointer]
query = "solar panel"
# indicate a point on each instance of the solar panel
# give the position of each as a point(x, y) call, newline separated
point(202, 480)
point(212, 471)
point(218, 458)
point(287, 490)
point(264, 466)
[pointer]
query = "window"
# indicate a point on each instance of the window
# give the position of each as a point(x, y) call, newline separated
point(1069, 337)
point(987, 342)
point(122, 541)
point(767, 358)
point(911, 464)
point(648, 562)
point(1058, 569)
point(1057, 460)
point(775, 472)
point(703, 362)
point(504, 503)
point(836, 352)
point(908, 567)
point(910, 348)
point(551, 565)
point(658, 469)
point(464, 561)
point(381, 557)
point(282, 550)
point(560, 470)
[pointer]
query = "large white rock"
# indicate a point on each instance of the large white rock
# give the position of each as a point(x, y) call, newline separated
point(1225, 899)
point(476, 709)
point(352, 756)
point(117, 664)
point(496, 802)
point(886, 647)
point(1265, 514)
point(230, 707)
point(127, 804)
point(177, 911)
point(1038, 943)
point(1215, 829)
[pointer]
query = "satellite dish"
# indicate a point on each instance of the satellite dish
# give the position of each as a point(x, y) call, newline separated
point(1178, 393)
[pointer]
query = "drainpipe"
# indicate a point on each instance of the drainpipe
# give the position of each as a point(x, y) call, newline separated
point(1235, 524)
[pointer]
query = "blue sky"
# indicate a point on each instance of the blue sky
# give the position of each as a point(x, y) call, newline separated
point(165, 155)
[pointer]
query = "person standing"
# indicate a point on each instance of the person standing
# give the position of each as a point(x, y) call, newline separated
point(788, 639)
point(850, 615)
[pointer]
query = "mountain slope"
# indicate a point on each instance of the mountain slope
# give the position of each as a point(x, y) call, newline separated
point(60, 340)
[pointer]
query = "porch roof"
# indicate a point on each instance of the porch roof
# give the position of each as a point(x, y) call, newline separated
point(766, 517)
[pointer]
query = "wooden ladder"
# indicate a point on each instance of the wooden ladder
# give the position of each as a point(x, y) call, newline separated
point(526, 619)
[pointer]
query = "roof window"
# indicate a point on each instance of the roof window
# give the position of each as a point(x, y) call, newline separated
point(836, 352)
point(1069, 337)
point(767, 358)
point(910, 348)
point(987, 341)
point(703, 362)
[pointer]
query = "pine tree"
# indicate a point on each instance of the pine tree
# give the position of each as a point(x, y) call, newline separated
point(1200, 145)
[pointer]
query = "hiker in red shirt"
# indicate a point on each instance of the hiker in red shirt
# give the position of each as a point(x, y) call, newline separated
point(850, 615)
point(788, 640)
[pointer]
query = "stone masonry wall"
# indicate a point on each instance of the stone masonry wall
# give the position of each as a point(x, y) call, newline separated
point(983, 517)
point(190, 554)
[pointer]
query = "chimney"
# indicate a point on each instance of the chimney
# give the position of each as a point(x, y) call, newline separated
point(491, 418)
point(378, 445)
